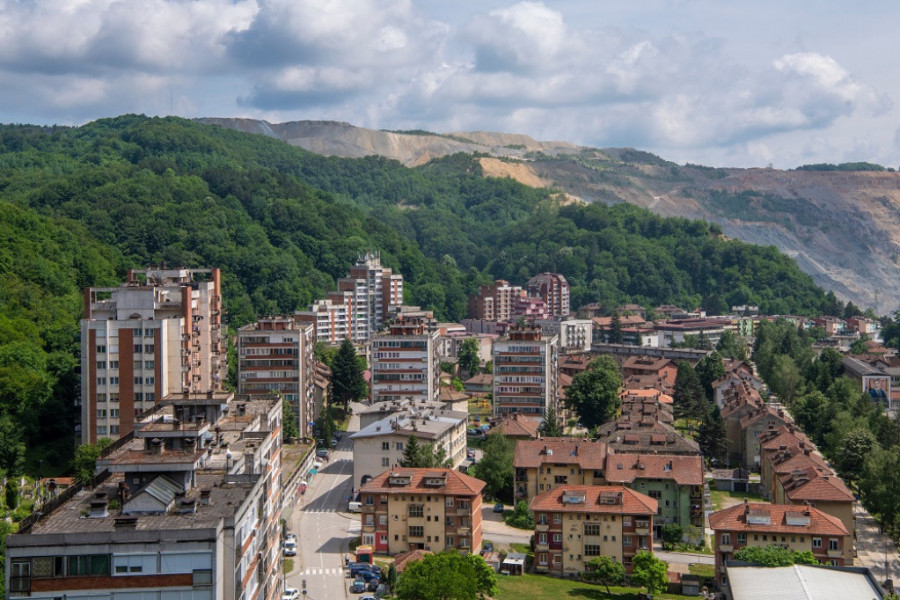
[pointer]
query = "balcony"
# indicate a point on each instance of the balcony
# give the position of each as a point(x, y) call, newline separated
point(835, 554)
point(642, 527)
point(542, 526)
point(726, 548)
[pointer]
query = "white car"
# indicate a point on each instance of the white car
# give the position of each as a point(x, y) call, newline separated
point(290, 594)
point(290, 548)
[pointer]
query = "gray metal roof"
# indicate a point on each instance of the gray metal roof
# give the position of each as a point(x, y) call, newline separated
point(799, 582)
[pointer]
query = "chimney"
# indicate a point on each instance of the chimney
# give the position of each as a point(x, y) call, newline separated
point(156, 447)
point(99, 506)
point(204, 497)
point(190, 445)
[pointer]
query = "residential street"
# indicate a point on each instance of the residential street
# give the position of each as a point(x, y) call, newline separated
point(873, 547)
point(324, 529)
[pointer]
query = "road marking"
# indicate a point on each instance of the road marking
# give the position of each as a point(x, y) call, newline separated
point(334, 571)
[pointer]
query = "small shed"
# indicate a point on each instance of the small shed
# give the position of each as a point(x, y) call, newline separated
point(513, 564)
point(364, 554)
point(492, 559)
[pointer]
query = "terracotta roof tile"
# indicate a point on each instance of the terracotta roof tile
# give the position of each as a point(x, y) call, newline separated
point(404, 558)
point(587, 454)
point(774, 518)
point(815, 485)
point(626, 501)
point(517, 425)
point(457, 484)
point(626, 467)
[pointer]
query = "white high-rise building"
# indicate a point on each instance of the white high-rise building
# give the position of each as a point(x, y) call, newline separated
point(526, 368)
point(406, 362)
point(158, 333)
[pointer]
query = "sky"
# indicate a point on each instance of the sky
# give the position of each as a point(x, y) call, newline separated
point(714, 82)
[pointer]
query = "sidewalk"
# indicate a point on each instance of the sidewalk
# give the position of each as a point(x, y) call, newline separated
point(874, 548)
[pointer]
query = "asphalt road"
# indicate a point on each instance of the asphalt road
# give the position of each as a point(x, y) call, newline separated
point(324, 530)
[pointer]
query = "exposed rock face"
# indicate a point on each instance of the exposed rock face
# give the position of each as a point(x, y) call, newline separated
point(843, 228)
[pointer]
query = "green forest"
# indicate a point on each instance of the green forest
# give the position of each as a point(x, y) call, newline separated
point(81, 205)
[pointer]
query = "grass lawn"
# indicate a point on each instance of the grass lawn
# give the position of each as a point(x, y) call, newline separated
point(538, 587)
point(708, 571)
point(723, 499)
point(287, 565)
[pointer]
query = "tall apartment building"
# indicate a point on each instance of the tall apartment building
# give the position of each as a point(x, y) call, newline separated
point(186, 506)
point(276, 355)
point(607, 520)
point(553, 289)
point(360, 305)
point(526, 365)
point(158, 333)
point(405, 362)
point(495, 302)
point(422, 509)
point(575, 335)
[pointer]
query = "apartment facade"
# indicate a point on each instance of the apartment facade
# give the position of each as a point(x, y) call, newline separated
point(495, 302)
point(360, 305)
point(173, 513)
point(276, 356)
point(573, 524)
point(158, 333)
point(526, 373)
point(422, 509)
point(546, 464)
point(405, 362)
point(575, 335)
point(379, 446)
point(795, 527)
point(553, 289)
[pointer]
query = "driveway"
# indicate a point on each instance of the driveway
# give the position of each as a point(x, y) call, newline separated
point(873, 547)
point(495, 530)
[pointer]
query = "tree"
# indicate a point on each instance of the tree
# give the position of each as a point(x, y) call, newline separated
point(347, 381)
point(495, 468)
point(12, 449)
point(854, 448)
point(709, 368)
point(688, 396)
point(604, 571)
point(391, 579)
point(774, 556)
point(594, 393)
point(731, 346)
point(880, 486)
point(615, 329)
point(469, 361)
point(520, 517)
point(672, 535)
point(86, 456)
point(425, 456)
point(712, 435)
point(550, 425)
point(289, 427)
point(326, 429)
point(785, 378)
point(447, 576)
point(649, 572)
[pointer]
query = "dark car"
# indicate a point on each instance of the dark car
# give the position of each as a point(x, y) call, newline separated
point(373, 584)
point(498, 508)
point(322, 453)
point(358, 586)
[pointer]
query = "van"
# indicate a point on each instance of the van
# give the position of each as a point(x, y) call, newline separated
point(354, 507)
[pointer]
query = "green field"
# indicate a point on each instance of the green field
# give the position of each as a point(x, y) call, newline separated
point(540, 587)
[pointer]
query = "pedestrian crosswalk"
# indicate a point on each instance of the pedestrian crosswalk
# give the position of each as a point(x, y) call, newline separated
point(322, 571)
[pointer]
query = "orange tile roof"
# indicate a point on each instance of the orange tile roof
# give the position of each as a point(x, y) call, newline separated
point(815, 485)
point(792, 458)
point(786, 435)
point(516, 425)
point(626, 467)
point(404, 558)
point(761, 413)
point(457, 484)
point(586, 453)
point(734, 518)
point(628, 502)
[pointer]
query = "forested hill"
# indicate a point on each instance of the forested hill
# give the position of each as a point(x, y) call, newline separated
point(80, 205)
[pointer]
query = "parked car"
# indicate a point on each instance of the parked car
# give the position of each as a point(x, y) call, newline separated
point(334, 442)
point(485, 427)
point(291, 537)
point(368, 598)
point(477, 419)
point(375, 569)
point(367, 575)
point(357, 570)
point(470, 453)
point(289, 548)
point(487, 547)
point(373, 584)
point(358, 586)
point(498, 508)
point(472, 431)
point(290, 594)
point(322, 453)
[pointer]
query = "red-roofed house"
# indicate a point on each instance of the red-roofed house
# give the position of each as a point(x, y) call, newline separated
point(544, 464)
point(425, 509)
point(799, 528)
point(519, 427)
point(753, 424)
point(676, 481)
point(611, 521)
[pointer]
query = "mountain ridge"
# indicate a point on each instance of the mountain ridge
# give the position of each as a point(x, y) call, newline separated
point(842, 227)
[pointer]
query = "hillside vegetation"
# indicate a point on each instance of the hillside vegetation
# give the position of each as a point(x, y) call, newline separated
point(81, 205)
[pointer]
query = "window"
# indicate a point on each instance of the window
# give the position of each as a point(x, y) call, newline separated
point(382, 519)
point(101, 413)
point(742, 538)
point(592, 529)
point(542, 558)
point(591, 550)
point(114, 413)
point(101, 429)
point(101, 381)
point(90, 564)
point(148, 348)
point(370, 501)
point(114, 429)
point(560, 479)
point(134, 564)
point(149, 380)
point(113, 364)
point(398, 446)
point(114, 381)
point(47, 566)
point(416, 510)
point(557, 559)
point(626, 540)
point(150, 396)
point(557, 537)
point(817, 542)
point(101, 349)
point(385, 462)
point(725, 539)
point(101, 365)
point(833, 544)
point(138, 348)
point(449, 502)
point(416, 531)
point(450, 540)
point(148, 364)
point(138, 380)
point(370, 520)
point(385, 445)
point(557, 518)
point(202, 577)
point(626, 521)
point(542, 538)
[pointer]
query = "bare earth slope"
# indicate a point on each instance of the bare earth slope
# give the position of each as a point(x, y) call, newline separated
point(843, 228)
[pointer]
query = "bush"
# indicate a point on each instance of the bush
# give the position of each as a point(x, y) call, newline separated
point(520, 518)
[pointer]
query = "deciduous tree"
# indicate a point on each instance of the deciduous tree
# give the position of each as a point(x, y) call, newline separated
point(469, 361)
point(495, 468)
point(594, 393)
point(775, 556)
point(604, 571)
point(447, 576)
point(649, 572)
point(688, 397)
